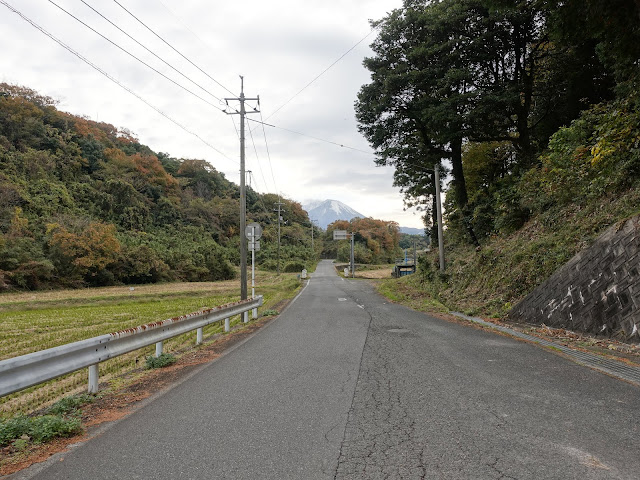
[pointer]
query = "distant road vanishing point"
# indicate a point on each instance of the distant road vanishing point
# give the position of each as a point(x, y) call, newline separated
point(345, 385)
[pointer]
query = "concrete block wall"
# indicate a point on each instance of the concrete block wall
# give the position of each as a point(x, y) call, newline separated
point(597, 291)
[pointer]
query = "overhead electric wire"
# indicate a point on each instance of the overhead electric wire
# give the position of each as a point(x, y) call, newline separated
point(311, 136)
point(420, 167)
point(321, 73)
point(235, 126)
point(264, 133)
point(262, 201)
point(152, 53)
point(255, 149)
point(171, 46)
point(95, 67)
point(289, 100)
point(136, 58)
point(183, 23)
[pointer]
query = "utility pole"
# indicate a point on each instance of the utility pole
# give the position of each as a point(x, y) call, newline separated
point(439, 213)
point(243, 188)
point(353, 263)
point(312, 225)
point(279, 210)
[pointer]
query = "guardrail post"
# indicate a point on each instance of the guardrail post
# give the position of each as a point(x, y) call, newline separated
point(245, 316)
point(255, 313)
point(199, 336)
point(24, 371)
point(93, 378)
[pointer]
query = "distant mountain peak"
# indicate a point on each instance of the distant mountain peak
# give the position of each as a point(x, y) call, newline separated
point(328, 211)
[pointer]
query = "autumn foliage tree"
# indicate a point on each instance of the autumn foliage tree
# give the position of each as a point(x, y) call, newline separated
point(375, 241)
point(481, 86)
point(82, 256)
point(85, 203)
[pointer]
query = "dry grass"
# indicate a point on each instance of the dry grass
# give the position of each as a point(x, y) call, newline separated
point(34, 321)
point(131, 291)
point(375, 274)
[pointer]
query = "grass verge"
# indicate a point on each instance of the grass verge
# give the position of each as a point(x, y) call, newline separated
point(34, 321)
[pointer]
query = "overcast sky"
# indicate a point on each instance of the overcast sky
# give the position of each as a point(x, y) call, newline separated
point(279, 46)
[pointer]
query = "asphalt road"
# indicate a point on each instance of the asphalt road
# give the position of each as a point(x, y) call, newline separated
point(345, 385)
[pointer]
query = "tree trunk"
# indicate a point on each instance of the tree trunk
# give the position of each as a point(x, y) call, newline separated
point(460, 187)
point(458, 174)
point(434, 215)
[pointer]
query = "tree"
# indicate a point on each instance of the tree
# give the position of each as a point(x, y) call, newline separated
point(414, 112)
point(86, 254)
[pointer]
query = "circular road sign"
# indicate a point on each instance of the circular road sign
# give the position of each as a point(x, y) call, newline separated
point(254, 228)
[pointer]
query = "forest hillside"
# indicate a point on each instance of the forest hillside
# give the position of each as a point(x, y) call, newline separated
point(83, 203)
point(530, 111)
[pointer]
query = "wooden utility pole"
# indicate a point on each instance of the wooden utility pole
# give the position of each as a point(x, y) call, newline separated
point(243, 188)
point(312, 225)
point(279, 210)
point(439, 212)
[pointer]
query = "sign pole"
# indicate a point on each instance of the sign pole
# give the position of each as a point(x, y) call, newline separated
point(353, 267)
point(253, 268)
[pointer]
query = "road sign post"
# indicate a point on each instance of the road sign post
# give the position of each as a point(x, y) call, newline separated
point(253, 232)
point(343, 235)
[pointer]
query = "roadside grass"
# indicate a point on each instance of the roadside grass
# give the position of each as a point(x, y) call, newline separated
point(62, 419)
point(404, 292)
point(367, 271)
point(489, 281)
point(34, 321)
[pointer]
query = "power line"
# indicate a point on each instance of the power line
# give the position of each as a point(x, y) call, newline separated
point(260, 199)
point(151, 52)
point(95, 67)
point(311, 136)
point(172, 47)
point(264, 133)
point(257, 158)
point(136, 58)
point(322, 73)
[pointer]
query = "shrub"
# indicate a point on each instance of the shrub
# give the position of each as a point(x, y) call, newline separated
point(38, 429)
point(425, 269)
point(293, 267)
point(50, 426)
point(70, 405)
point(164, 360)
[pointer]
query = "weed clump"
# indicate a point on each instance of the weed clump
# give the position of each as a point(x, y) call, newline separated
point(164, 360)
point(37, 429)
point(70, 405)
point(62, 419)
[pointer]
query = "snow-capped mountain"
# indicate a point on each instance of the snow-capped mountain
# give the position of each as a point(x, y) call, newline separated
point(328, 211)
point(412, 231)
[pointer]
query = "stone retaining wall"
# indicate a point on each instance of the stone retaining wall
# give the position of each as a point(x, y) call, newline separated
point(597, 291)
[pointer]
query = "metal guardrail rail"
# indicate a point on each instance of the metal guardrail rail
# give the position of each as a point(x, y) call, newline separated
point(25, 371)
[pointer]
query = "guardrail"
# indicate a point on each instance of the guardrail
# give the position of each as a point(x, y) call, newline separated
point(27, 370)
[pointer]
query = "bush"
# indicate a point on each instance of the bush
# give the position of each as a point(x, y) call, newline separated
point(269, 264)
point(50, 426)
point(164, 360)
point(293, 267)
point(70, 405)
point(425, 269)
point(38, 429)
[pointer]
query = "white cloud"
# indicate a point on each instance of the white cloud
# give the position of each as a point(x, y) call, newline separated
point(279, 47)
